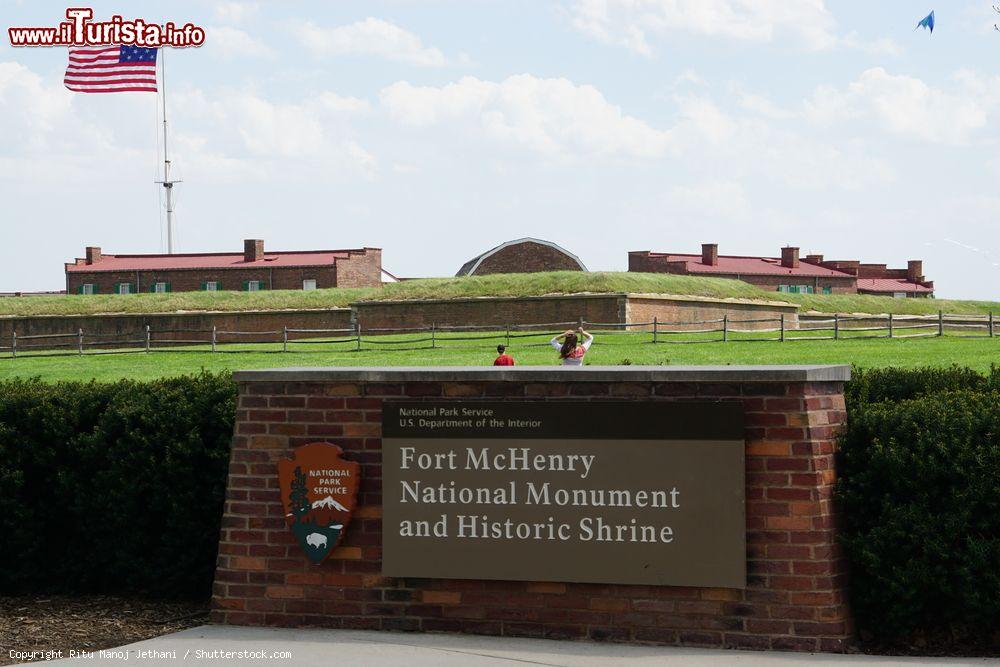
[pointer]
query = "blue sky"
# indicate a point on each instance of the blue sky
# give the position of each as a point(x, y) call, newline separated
point(437, 130)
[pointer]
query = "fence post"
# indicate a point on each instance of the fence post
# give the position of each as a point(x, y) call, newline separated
point(13, 345)
point(147, 339)
point(656, 326)
point(79, 341)
point(940, 323)
point(508, 335)
point(991, 324)
point(284, 338)
point(890, 325)
point(214, 337)
point(782, 338)
point(433, 335)
point(836, 326)
point(725, 327)
point(357, 330)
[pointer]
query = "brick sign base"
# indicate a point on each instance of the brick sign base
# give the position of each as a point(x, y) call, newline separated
point(796, 590)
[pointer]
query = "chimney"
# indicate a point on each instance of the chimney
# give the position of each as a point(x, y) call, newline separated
point(915, 271)
point(710, 254)
point(814, 259)
point(93, 254)
point(253, 250)
point(790, 257)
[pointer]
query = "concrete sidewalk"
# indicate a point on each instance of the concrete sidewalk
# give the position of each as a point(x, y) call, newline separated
point(351, 647)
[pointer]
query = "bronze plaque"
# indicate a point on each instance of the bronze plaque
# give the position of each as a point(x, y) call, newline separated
point(602, 492)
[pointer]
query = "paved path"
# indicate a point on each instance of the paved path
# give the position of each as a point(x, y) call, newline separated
point(323, 648)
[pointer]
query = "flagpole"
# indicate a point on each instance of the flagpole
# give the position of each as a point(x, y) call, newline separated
point(168, 184)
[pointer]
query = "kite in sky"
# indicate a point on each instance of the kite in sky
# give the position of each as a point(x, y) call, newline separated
point(928, 22)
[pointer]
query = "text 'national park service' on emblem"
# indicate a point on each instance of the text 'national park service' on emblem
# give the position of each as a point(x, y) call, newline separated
point(318, 491)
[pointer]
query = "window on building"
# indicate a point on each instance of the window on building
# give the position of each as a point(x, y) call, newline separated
point(123, 288)
point(309, 284)
point(161, 288)
point(88, 288)
point(253, 285)
point(210, 286)
point(899, 295)
point(784, 288)
point(827, 289)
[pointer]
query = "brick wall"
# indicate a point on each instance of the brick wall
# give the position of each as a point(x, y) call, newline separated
point(679, 310)
point(174, 324)
point(527, 257)
point(499, 311)
point(795, 595)
point(600, 308)
point(361, 269)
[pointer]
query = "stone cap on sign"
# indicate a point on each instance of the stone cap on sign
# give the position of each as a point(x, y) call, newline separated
point(741, 374)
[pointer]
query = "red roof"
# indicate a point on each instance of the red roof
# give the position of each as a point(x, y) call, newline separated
point(891, 285)
point(730, 264)
point(230, 260)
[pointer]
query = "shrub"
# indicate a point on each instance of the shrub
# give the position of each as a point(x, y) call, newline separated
point(113, 488)
point(874, 385)
point(920, 508)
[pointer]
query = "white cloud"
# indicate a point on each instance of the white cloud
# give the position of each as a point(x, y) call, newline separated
point(235, 43)
point(554, 117)
point(722, 199)
point(26, 101)
point(689, 76)
point(883, 46)
point(637, 24)
point(244, 132)
point(908, 106)
point(370, 37)
point(703, 122)
point(756, 146)
point(632, 23)
point(50, 129)
point(562, 120)
point(763, 106)
point(236, 12)
point(340, 104)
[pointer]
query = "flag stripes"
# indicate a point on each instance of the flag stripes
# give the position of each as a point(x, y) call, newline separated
point(111, 69)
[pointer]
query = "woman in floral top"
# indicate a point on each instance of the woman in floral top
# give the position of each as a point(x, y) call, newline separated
point(571, 350)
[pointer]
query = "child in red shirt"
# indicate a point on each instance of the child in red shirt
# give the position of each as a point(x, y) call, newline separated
point(504, 359)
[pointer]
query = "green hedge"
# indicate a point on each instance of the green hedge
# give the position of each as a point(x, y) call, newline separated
point(113, 488)
point(919, 496)
point(874, 385)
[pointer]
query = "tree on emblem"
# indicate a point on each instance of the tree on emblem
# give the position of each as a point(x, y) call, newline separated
point(298, 497)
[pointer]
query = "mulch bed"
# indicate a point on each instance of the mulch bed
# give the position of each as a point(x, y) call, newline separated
point(40, 623)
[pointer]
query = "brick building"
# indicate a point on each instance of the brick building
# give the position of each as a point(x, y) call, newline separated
point(251, 270)
point(522, 256)
point(880, 280)
point(811, 274)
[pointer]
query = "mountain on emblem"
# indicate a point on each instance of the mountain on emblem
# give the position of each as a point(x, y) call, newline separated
point(318, 490)
point(329, 502)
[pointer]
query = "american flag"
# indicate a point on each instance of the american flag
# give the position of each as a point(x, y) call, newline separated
point(111, 69)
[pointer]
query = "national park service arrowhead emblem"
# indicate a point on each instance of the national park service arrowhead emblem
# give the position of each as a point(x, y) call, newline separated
point(318, 491)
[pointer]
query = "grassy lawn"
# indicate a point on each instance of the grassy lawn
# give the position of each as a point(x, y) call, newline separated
point(609, 349)
point(529, 284)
